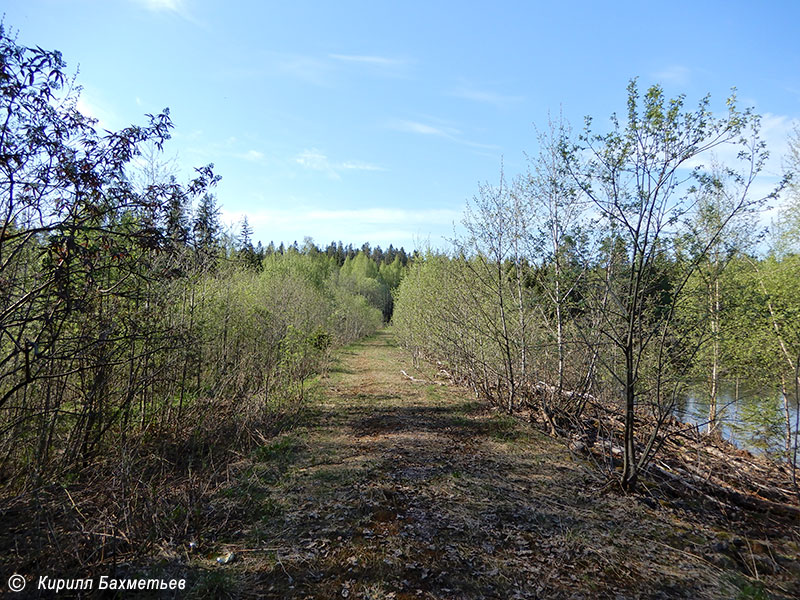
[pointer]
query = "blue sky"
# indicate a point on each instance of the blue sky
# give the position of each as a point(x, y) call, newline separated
point(375, 121)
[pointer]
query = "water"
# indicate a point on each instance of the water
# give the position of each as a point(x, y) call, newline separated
point(752, 419)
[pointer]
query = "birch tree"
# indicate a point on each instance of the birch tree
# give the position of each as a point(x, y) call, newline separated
point(641, 178)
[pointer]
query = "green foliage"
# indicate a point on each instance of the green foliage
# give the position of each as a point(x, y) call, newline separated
point(761, 424)
point(125, 309)
point(214, 583)
point(361, 275)
point(269, 331)
point(787, 228)
point(278, 450)
point(88, 265)
point(615, 267)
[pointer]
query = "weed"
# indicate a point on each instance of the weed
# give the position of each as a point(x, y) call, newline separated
point(333, 475)
point(468, 407)
point(505, 428)
point(433, 392)
point(214, 584)
point(459, 421)
point(753, 591)
point(281, 449)
point(269, 508)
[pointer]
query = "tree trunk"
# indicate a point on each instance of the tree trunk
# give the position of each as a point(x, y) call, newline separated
point(629, 468)
point(714, 307)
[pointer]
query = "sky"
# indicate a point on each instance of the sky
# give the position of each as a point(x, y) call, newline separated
point(376, 121)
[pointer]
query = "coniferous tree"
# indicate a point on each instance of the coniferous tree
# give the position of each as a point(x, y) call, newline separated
point(206, 229)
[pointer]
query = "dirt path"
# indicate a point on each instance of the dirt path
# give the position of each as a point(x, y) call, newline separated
point(398, 489)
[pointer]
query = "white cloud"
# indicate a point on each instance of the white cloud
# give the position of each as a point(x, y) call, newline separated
point(252, 155)
point(86, 108)
point(423, 129)
point(675, 74)
point(322, 70)
point(89, 107)
point(375, 65)
point(383, 216)
point(378, 226)
point(775, 130)
point(315, 160)
point(487, 97)
point(444, 132)
point(357, 165)
point(306, 68)
point(176, 7)
point(379, 61)
point(159, 5)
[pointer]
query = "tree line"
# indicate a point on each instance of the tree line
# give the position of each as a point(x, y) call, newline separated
point(335, 250)
point(621, 268)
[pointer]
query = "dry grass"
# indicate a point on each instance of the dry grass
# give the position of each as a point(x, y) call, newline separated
point(148, 495)
point(395, 489)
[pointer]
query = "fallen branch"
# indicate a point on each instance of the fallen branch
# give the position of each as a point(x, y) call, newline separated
point(415, 380)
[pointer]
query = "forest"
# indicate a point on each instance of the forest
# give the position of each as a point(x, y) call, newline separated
point(146, 351)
